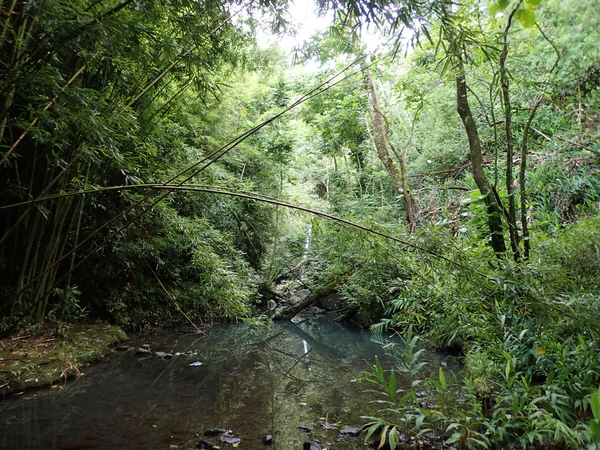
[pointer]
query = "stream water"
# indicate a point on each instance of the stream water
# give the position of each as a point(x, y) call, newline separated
point(253, 381)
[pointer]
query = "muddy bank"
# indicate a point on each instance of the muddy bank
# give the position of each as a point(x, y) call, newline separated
point(44, 358)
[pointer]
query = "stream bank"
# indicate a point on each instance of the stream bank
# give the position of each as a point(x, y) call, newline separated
point(45, 358)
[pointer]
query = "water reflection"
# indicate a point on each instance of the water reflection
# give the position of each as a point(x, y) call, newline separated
point(254, 381)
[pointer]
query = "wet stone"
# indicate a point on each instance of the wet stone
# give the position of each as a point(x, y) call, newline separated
point(146, 346)
point(305, 429)
point(214, 431)
point(203, 445)
point(142, 351)
point(124, 348)
point(268, 439)
point(163, 355)
point(328, 426)
point(350, 431)
point(230, 440)
point(315, 444)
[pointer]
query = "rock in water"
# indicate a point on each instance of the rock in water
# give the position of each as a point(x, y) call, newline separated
point(146, 346)
point(350, 431)
point(163, 355)
point(124, 348)
point(268, 439)
point(305, 429)
point(203, 445)
point(196, 364)
point(315, 444)
point(142, 351)
point(230, 440)
point(215, 432)
point(271, 305)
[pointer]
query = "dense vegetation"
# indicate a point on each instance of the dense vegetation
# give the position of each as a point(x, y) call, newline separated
point(147, 150)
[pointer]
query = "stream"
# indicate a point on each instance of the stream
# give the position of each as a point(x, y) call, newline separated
point(254, 381)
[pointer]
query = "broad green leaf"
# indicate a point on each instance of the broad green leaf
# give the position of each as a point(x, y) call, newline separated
point(595, 402)
point(533, 3)
point(502, 4)
point(526, 17)
point(392, 387)
point(452, 426)
point(442, 379)
point(372, 429)
point(454, 438)
point(595, 427)
point(393, 438)
point(383, 436)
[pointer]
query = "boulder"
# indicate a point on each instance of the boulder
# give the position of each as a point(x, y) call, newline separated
point(331, 302)
point(299, 296)
point(315, 310)
point(315, 444)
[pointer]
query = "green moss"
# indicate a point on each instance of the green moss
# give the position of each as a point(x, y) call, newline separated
point(44, 359)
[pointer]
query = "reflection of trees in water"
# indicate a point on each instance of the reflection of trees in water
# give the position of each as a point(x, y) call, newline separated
point(253, 381)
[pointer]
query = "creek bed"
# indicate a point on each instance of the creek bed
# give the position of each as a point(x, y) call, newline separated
point(254, 381)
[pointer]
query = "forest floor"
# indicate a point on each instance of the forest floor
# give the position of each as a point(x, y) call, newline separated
point(45, 358)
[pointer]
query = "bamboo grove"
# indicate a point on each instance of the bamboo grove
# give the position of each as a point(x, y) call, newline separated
point(83, 85)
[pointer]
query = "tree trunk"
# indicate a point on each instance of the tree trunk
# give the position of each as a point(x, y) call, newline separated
point(493, 208)
point(511, 214)
point(381, 139)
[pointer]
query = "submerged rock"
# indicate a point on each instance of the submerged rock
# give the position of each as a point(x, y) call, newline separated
point(215, 431)
point(124, 348)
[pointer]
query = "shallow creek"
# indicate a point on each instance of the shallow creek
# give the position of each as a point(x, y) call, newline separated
point(253, 381)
